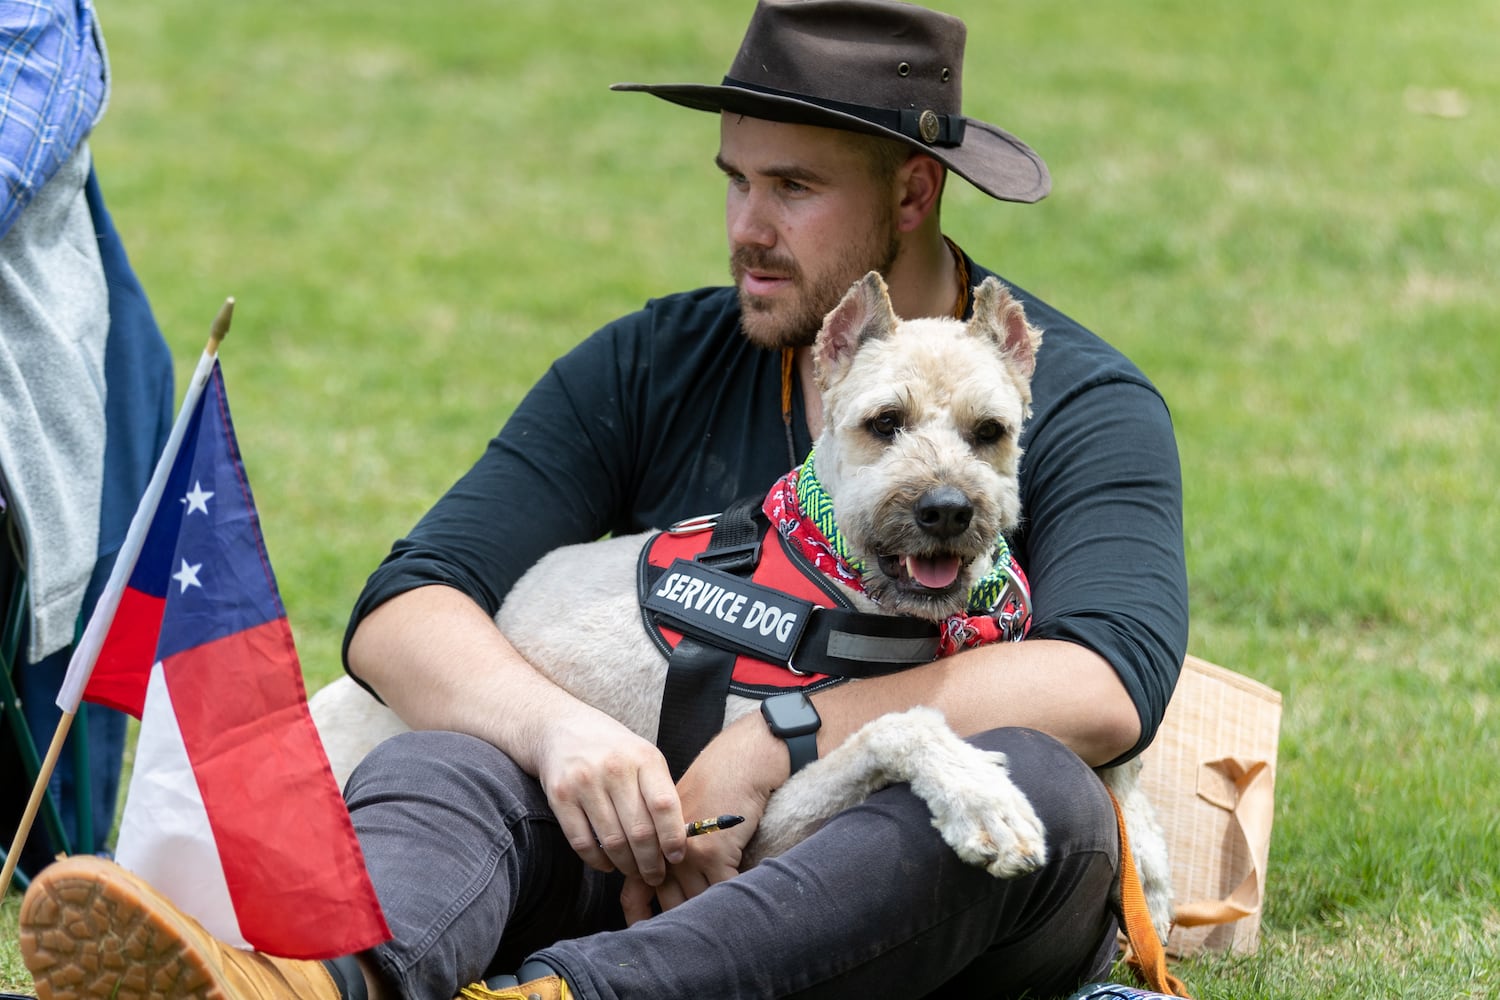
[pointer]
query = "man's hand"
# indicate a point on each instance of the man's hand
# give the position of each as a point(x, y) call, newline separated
point(736, 773)
point(613, 796)
point(439, 662)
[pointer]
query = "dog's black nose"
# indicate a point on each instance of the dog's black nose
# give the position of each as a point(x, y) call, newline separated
point(944, 512)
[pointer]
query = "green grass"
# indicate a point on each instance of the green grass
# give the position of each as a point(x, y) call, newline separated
point(417, 206)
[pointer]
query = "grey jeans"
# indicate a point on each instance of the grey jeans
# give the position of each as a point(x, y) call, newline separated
point(475, 877)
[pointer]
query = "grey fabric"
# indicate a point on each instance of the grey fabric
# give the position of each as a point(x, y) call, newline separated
point(475, 877)
point(54, 323)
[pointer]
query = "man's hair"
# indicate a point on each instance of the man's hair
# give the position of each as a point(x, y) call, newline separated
point(886, 156)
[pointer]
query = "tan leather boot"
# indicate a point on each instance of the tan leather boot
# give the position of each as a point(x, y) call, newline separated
point(550, 988)
point(89, 928)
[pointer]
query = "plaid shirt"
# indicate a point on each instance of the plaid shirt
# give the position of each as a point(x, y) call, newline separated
point(54, 81)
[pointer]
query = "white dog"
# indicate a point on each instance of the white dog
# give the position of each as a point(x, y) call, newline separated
point(920, 455)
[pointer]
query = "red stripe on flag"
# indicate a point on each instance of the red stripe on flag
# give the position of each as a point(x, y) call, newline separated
point(129, 649)
point(293, 865)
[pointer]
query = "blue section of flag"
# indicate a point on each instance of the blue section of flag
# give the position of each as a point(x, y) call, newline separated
point(204, 553)
point(153, 568)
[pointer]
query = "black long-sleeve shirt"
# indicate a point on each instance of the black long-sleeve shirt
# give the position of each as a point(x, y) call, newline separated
point(671, 412)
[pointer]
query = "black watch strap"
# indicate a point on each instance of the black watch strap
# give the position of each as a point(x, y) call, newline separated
point(795, 721)
point(803, 750)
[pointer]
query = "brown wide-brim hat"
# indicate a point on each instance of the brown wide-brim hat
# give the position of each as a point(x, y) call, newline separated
point(872, 66)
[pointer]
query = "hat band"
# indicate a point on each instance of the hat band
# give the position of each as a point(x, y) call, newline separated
point(925, 126)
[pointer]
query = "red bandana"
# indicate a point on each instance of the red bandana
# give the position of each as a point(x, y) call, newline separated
point(1010, 621)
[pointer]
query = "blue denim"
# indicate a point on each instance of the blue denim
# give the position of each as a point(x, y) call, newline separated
point(475, 876)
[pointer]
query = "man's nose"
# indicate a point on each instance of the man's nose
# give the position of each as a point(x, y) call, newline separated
point(747, 221)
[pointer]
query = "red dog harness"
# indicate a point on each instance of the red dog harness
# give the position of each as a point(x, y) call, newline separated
point(788, 625)
point(738, 605)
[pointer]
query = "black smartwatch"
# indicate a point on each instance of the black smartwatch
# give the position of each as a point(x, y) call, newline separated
point(793, 718)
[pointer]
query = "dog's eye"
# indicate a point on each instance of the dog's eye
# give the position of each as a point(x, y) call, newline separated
point(885, 425)
point(988, 432)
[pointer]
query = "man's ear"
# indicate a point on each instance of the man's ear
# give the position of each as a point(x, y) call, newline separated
point(865, 313)
point(921, 187)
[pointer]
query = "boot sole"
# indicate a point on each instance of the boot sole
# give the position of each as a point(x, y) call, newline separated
point(88, 930)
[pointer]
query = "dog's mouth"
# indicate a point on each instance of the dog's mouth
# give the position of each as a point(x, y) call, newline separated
point(931, 574)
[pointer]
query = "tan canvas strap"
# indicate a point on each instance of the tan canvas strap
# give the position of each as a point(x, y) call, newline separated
point(1146, 955)
point(1243, 788)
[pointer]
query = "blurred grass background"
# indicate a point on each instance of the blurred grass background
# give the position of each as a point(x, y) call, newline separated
point(1287, 213)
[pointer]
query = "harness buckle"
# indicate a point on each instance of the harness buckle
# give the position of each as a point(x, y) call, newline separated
point(732, 558)
point(1013, 622)
point(791, 661)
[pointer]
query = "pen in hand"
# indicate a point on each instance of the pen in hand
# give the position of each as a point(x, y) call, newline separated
point(710, 825)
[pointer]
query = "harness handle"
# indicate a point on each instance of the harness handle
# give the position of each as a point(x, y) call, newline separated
point(734, 547)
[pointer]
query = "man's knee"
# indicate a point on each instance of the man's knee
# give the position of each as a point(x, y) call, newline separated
point(1069, 798)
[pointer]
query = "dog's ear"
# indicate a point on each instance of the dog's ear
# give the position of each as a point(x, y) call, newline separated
point(999, 316)
point(865, 313)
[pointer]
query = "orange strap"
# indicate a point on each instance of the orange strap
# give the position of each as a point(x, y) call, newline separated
point(788, 357)
point(1146, 955)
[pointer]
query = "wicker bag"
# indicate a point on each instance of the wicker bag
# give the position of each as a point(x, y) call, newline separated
point(1211, 774)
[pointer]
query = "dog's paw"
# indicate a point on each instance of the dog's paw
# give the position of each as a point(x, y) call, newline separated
point(975, 806)
point(987, 820)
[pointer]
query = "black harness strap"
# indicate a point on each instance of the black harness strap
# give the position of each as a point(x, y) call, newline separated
point(734, 546)
point(859, 644)
point(838, 643)
point(692, 703)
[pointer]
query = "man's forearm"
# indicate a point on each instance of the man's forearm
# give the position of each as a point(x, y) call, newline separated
point(462, 674)
point(1057, 687)
point(439, 662)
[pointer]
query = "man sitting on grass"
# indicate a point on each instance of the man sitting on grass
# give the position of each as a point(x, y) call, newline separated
point(520, 834)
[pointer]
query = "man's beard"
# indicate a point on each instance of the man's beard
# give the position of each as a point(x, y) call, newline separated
point(795, 322)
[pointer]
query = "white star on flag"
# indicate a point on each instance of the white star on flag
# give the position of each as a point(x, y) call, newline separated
point(188, 575)
point(197, 499)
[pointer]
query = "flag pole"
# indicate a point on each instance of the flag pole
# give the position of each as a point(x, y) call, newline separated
point(87, 650)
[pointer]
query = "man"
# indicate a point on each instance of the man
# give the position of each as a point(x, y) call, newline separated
point(521, 831)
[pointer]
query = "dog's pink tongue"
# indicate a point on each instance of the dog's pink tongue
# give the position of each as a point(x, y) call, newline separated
point(933, 573)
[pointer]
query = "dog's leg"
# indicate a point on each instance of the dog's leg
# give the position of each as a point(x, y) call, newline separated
point(978, 810)
point(1147, 842)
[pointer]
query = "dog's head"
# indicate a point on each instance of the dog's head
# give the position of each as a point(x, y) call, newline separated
point(920, 446)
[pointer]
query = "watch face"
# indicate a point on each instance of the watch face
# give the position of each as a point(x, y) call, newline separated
point(790, 714)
